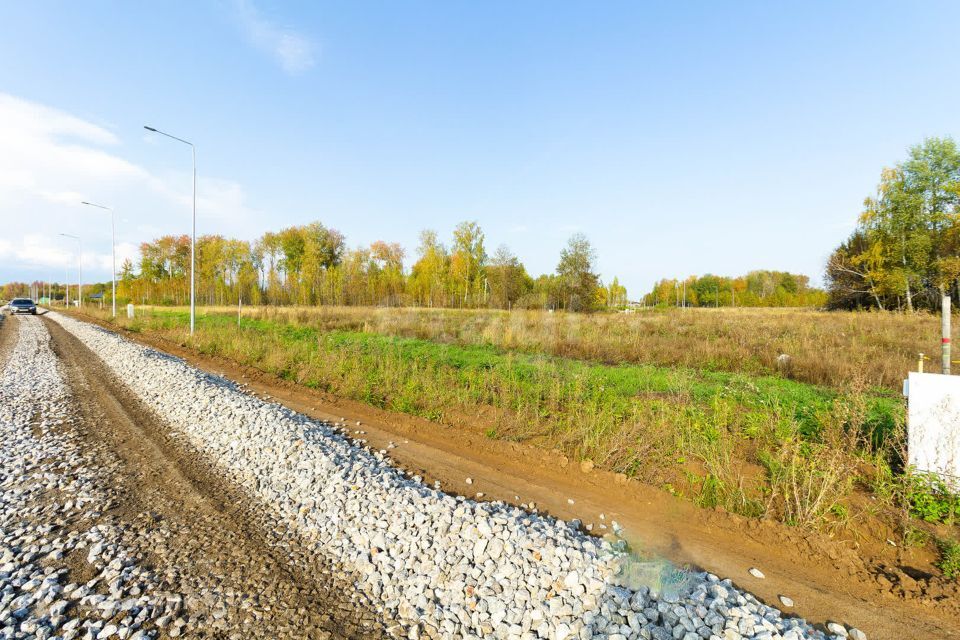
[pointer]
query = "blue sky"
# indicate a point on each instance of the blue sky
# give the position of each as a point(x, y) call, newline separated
point(682, 138)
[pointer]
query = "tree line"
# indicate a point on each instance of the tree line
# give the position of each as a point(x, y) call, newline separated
point(57, 291)
point(756, 289)
point(904, 254)
point(905, 250)
point(311, 264)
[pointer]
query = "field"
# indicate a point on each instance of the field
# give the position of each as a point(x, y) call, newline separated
point(689, 400)
point(829, 349)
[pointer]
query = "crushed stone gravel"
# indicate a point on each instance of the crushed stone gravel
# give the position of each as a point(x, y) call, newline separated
point(439, 566)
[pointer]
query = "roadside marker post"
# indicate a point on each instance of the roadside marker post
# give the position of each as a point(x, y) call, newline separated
point(945, 335)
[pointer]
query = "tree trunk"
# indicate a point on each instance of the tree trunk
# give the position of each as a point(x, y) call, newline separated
point(877, 298)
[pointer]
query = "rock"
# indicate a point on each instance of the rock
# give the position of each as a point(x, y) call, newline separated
point(856, 634)
point(586, 466)
point(837, 629)
point(787, 602)
point(108, 631)
point(784, 364)
point(756, 573)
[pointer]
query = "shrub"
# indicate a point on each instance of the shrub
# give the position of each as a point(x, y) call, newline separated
point(931, 500)
point(949, 562)
point(808, 481)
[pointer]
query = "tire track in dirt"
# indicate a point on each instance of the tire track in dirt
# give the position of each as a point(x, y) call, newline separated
point(241, 575)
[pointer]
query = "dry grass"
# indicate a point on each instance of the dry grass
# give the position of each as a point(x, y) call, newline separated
point(825, 348)
point(703, 422)
point(811, 479)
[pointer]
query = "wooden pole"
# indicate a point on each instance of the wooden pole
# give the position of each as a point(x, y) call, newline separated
point(945, 333)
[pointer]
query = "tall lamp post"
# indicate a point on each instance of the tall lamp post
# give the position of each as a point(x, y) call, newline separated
point(193, 237)
point(79, 272)
point(113, 241)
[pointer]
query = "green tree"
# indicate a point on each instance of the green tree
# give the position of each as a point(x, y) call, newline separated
point(576, 271)
point(428, 279)
point(467, 262)
point(507, 278)
point(616, 294)
point(904, 248)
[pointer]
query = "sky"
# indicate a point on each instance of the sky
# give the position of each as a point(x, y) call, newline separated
point(681, 138)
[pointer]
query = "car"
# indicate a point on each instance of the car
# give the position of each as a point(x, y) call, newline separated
point(23, 305)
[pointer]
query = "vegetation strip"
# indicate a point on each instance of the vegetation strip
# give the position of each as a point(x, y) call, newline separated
point(699, 433)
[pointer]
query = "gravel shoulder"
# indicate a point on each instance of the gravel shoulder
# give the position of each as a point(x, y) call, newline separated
point(8, 337)
point(202, 533)
point(65, 568)
point(440, 565)
point(874, 589)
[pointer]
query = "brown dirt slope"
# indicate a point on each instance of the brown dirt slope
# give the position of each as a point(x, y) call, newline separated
point(877, 588)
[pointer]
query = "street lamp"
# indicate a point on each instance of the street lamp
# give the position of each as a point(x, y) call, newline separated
point(79, 272)
point(113, 234)
point(193, 237)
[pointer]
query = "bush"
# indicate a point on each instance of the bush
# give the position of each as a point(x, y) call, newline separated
point(949, 562)
point(931, 500)
point(808, 482)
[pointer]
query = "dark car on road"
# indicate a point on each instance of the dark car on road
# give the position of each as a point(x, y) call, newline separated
point(23, 305)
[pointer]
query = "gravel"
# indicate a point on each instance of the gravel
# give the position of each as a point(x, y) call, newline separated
point(439, 566)
point(64, 571)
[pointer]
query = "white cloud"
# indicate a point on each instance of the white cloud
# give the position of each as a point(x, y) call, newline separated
point(50, 161)
point(56, 256)
point(293, 51)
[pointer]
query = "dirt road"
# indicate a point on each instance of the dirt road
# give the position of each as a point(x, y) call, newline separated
point(873, 588)
point(201, 537)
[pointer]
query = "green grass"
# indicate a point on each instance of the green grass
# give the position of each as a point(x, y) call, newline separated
point(613, 389)
point(726, 437)
point(949, 562)
point(931, 500)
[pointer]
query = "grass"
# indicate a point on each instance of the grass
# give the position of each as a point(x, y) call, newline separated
point(949, 562)
point(932, 501)
point(825, 349)
point(754, 443)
